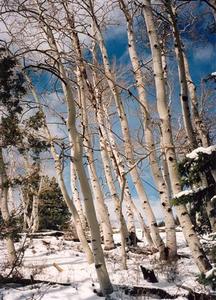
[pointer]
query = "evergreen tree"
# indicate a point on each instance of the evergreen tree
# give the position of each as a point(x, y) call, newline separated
point(53, 212)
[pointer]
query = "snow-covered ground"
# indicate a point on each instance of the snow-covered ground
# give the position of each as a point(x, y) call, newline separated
point(42, 255)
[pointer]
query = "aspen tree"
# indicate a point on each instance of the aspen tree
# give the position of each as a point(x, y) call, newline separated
point(120, 170)
point(100, 266)
point(126, 135)
point(12, 257)
point(188, 93)
point(83, 95)
point(99, 198)
point(106, 162)
point(190, 235)
point(75, 194)
point(184, 96)
point(59, 173)
point(149, 138)
point(101, 207)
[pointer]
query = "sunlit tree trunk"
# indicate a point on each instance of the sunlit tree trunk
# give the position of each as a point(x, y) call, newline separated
point(194, 244)
point(25, 204)
point(189, 93)
point(12, 257)
point(149, 138)
point(101, 208)
point(69, 202)
point(99, 198)
point(75, 193)
point(100, 266)
point(105, 154)
point(184, 97)
point(59, 173)
point(109, 179)
point(34, 219)
point(119, 168)
point(203, 136)
point(127, 140)
point(197, 119)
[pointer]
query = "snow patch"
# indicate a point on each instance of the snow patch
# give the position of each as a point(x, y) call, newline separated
point(39, 258)
point(195, 153)
point(188, 192)
point(213, 198)
point(211, 273)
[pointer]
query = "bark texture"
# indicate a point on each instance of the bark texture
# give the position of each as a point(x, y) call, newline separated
point(149, 138)
point(59, 172)
point(100, 266)
point(196, 249)
point(184, 97)
point(127, 140)
point(12, 257)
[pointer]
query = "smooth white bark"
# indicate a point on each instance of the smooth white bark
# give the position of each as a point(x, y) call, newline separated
point(169, 148)
point(184, 97)
point(197, 119)
point(119, 168)
point(59, 173)
point(100, 266)
point(102, 210)
point(76, 195)
point(127, 140)
point(12, 257)
point(149, 138)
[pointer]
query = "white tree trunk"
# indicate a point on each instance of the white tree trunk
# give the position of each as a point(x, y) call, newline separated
point(197, 119)
point(169, 148)
point(165, 172)
point(119, 168)
point(34, 219)
point(100, 266)
point(149, 138)
point(113, 192)
point(25, 204)
point(59, 173)
point(12, 257)
point(106, 161)
point(75, 194)
point(70, 204)
point(101, 208)
point(184, 97)
point(202, 135)
point(127, 142)
point(34, 216)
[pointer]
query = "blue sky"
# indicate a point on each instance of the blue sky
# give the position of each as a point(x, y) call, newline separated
point(202, 59)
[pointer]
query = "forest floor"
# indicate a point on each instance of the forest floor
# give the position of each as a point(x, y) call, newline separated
point(61, 261)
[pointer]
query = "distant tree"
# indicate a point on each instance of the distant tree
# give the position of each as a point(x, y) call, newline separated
point(19, 134)
point(53, 211)
point(11, 92)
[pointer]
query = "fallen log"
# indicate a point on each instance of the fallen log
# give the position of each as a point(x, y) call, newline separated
point(26, 281)
point(138, 291)
point(42, 234)
point(192, 295)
